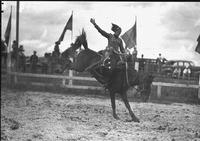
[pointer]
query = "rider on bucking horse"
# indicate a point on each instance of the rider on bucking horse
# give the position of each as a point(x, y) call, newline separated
point(114, 48)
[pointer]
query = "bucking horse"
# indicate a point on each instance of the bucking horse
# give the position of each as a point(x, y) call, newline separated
point(120, 79)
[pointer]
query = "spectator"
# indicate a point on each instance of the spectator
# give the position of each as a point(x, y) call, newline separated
point(45, 64)
point(22, 59)
point(141, 63)
point(56, 52)
point(3, 52)
point(128, 56)
point(177, 72)
point(14, 54)
point(186, 72)
point(14, 46)
point(159, 62)
point(48, 59)
point(33, 62)
point(134, 56)
point(55, 57)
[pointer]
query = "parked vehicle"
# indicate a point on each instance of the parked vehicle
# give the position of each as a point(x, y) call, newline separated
point(175, 65)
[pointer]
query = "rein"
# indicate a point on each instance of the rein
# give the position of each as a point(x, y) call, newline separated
point(92, 65)
point(127, 79)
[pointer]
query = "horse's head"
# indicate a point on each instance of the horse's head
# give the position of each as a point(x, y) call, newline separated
point(71, 51)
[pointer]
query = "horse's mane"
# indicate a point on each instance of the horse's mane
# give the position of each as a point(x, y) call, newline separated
point(80, 40)
point(83, 39)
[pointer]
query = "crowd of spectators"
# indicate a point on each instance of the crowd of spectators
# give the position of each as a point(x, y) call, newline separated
point(51, 61)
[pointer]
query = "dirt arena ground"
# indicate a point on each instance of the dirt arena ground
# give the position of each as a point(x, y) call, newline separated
point(39, 116)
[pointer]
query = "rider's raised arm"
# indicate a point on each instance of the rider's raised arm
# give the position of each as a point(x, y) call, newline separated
point(121, 47)
point(105, 34)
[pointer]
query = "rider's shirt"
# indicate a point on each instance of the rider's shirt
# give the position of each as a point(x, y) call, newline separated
point(115, 43)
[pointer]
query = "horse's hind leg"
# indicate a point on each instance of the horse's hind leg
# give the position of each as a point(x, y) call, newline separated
point(147, 94)
point(112, 96)
point(125, 99)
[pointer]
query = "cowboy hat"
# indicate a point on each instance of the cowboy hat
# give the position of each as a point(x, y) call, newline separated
point(115, 27)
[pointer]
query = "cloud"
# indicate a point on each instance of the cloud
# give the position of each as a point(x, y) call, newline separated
point(138, 4)
point(182, 17)
point(31, 45)
point(181, 29)
point(44, 34)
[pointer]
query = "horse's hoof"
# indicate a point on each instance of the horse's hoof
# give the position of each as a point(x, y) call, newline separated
point(116, 117)
point(136, 120)
point(128, 120)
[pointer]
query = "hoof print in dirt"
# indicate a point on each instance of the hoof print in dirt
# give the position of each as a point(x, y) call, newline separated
point(77, 119)
point(102, 134)
point(38, 136)
point(161, 128)
point(197, 135)
point(14, 126)
point(3, 137)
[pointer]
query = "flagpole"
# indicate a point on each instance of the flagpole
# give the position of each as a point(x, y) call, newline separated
point(72, 29)
point(136, 63)
point(17, 34)
point(136, 31)
point(9, 53)
point(70, 71)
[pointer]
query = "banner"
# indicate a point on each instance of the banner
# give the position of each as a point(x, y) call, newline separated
point(129, 37)
point(8, 29)
point(68, 26)
point(198, 45)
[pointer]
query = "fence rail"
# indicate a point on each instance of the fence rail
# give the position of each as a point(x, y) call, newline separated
point(71, 85)
point(64, 78)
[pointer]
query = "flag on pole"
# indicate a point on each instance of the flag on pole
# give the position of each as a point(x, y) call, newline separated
point(8, 29)
point(198, 45)
point(129, 37)
point(68, 26)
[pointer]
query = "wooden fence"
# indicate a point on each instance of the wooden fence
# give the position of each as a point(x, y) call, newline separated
point(71, 85)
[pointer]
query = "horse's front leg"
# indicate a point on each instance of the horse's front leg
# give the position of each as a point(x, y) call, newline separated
point(112, 96)
point(125, 99)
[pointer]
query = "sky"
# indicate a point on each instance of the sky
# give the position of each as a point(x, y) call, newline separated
point(169, 28)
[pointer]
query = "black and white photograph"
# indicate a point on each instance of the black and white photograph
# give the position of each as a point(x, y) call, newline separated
point(100, 71)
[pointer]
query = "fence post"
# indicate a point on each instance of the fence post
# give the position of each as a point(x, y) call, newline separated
point(137, 65)
point(199, 88)
point(159, 91)
point(15, 78)
point(63, 81)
